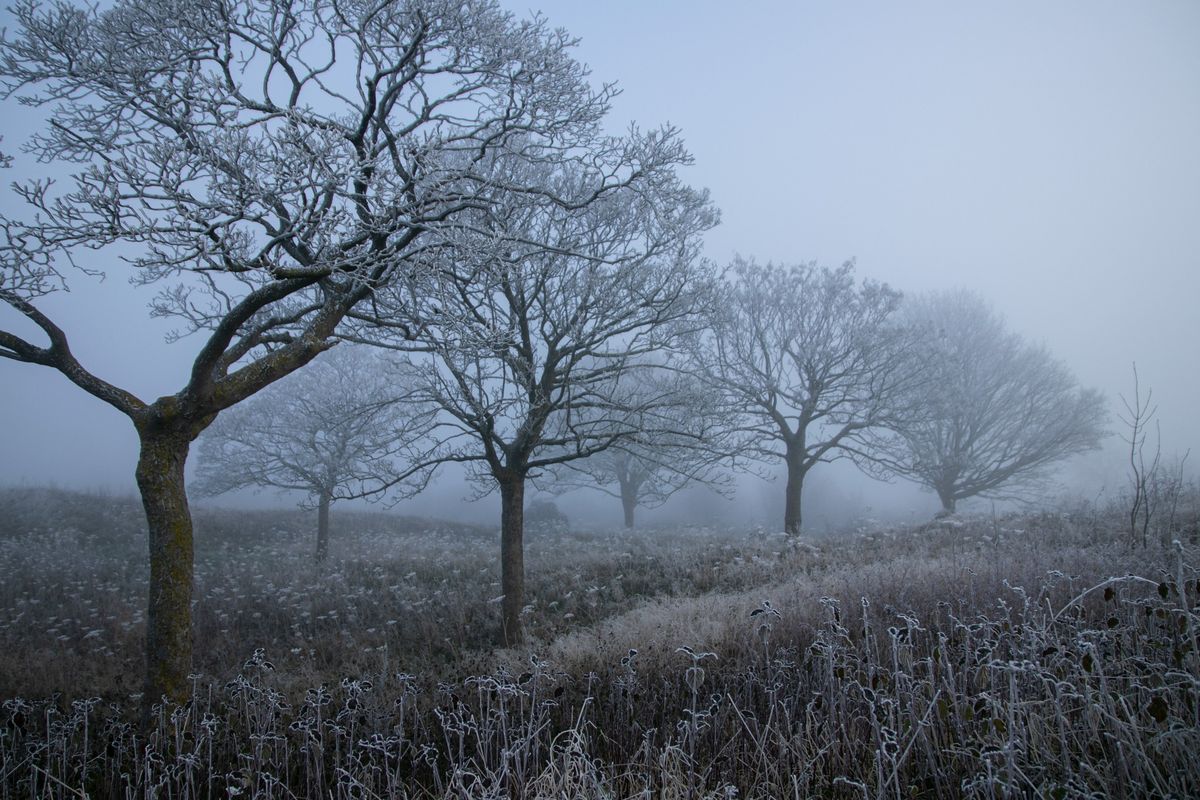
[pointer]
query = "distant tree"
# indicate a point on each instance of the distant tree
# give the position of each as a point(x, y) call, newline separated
point(993, 412)
point(682, 441)
point(808, 361)
point(528, 345)
point(333, 430)
point(545, 516)
point(646, 476)
point(275, 164)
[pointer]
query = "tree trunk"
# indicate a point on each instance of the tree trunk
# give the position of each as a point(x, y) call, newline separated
point(512, 556)
point(323, 527)
point(794, 493)
point(948, 502)
point(628, 504)
point(169, 616)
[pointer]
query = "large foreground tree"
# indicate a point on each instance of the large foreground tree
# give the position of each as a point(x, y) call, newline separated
point(336, 429)
point(528, 346)
point(271, 165)
point(808, 361)
point(994, 412)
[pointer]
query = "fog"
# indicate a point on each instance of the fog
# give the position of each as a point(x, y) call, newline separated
point(1043, 155)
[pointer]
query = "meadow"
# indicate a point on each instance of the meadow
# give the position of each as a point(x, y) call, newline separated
point(1036, 655)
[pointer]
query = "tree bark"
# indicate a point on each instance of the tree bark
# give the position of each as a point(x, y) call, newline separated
point(323, 527)
point(169, 615)
point(794, 493)
point(512, 556)
point(628, 504)
point(948, 501)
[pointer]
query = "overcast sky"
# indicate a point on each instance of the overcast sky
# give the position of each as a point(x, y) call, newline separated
point(1045, 154)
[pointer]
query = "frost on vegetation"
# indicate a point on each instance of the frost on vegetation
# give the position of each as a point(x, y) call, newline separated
point(1030, 656)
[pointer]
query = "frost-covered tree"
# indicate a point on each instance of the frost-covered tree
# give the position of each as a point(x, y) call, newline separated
point(646, 475)
point(270, 166)
point(682, 441)
point(808, 361)
point(528, 343)
point(993, 412)
point(336, 429)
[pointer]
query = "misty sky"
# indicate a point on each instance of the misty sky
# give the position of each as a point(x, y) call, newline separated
point(1046, 155)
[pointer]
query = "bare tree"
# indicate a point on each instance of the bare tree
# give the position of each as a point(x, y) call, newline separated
point(530, 343)
point(1155, 489)
point(993, 412)
point(683, 445)
point(271, 165)
point(334, 430)
point(1137, 417)
point(808, 361)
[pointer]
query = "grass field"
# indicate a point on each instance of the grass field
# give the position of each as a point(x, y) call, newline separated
point(1032, 656)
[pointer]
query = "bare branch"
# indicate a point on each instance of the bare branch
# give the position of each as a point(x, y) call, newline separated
point(58, 356)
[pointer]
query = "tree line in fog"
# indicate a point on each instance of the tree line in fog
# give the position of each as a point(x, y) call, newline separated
point(420, 197)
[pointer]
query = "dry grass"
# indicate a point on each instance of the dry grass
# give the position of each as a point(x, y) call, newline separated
point(1031, 657)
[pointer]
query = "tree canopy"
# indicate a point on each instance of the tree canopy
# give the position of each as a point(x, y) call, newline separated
point(528, 330)
point(808, 361)
point(992, 412)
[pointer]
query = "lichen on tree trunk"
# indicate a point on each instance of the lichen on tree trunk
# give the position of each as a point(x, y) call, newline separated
point(169, 617)
point(512, 556)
